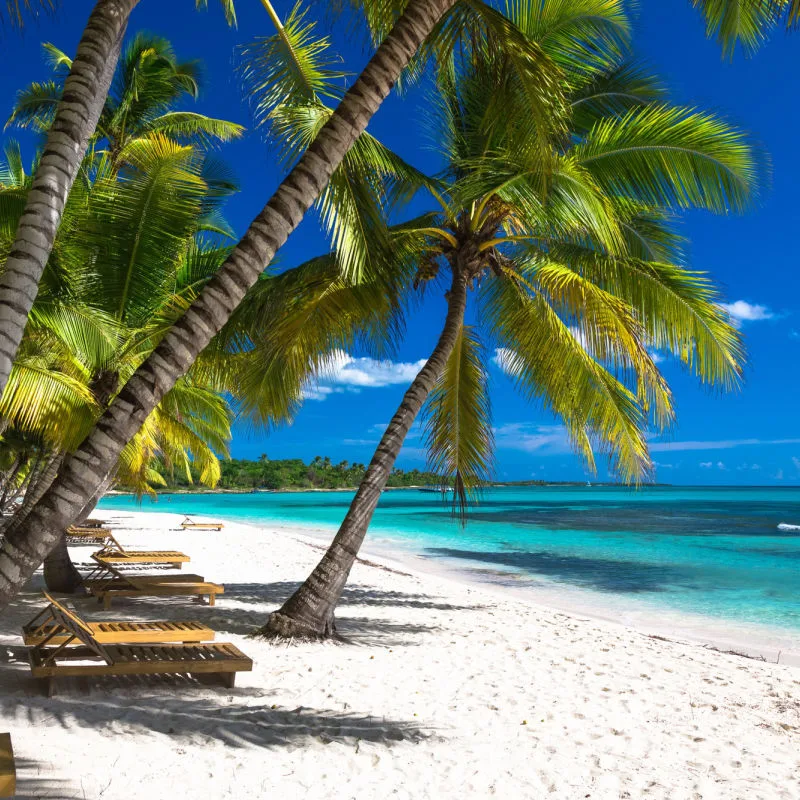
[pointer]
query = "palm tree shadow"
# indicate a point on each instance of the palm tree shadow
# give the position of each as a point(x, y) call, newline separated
point(32, 784)
point(180, 715)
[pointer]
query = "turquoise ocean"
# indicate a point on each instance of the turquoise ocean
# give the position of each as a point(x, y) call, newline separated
point(716, 552)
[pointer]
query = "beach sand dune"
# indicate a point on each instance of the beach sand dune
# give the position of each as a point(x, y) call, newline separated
point(443, 690)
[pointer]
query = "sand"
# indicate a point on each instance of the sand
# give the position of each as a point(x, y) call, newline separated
point(444, 690)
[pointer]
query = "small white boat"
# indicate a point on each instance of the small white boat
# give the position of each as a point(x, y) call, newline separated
point(436, 489)
point(785, 526)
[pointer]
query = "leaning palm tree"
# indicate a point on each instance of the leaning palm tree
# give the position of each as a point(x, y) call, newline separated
point(308, 178)
point(571, 269)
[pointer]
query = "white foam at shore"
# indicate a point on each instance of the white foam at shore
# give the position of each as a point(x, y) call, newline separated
point(447, 690)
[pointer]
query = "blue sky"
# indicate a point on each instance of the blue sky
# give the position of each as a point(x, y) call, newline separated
point(751, 437)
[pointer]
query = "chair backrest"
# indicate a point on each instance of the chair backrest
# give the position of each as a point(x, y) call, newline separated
point(72, 623)
point(110, 544)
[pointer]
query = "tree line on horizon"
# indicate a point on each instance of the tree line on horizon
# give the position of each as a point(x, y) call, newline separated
point(133, 325)
point(294, 473)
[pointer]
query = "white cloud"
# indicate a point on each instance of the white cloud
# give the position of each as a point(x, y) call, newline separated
point(344, 373)
point(532, 438)
point(657, 357)
point(721, 466)
point(779, 475)
point(741, 311)
point(664, 466)
point(796, 462)
point(723, 444)
point(706, 464)
point(504, 359)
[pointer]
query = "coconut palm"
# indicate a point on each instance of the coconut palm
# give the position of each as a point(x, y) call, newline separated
point(133, 251)
point(180, 347)
point(570, 267)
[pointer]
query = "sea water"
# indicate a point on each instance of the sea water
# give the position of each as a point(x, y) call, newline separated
point(716, 552)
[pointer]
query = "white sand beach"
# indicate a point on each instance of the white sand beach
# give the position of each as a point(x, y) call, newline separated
point(443, 690)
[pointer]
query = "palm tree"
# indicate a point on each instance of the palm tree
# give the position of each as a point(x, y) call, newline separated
point(180, 347)
point(74, 122)
point(134, 249)
point(571, 266)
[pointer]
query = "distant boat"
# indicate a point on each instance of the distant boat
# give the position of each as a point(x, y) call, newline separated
point(588, 484)
point(784, 526)
point(435, 489)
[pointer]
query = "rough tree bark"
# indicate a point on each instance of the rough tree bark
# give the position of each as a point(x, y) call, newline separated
point(309, 612)
point(25, 549)
point(78, 112)
point(60, 574)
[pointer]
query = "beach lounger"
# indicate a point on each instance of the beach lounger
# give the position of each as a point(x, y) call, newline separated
point(111, 583)
point(8, 770)
point(80, 535)
point(91, 658)
point(46, 627)
point(187, 524)
point(115, 554)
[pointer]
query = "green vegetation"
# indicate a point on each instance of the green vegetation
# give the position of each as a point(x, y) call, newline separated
point(293, 473)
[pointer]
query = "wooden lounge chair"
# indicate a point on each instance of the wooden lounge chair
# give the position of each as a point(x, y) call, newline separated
point(46, 627)
point(91, 658)
point(8, 770)
point(115, 554)
point(111, 583)
point(81, 535)
point(187, 525)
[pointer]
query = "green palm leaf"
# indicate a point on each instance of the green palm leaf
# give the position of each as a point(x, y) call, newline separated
point(458, 426)
point(673, 158)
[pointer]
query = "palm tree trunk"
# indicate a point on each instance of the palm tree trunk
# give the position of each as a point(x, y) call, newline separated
point(37, 488)
point(60, 574)
point(24, 550)
point(309, 612)
point(95, 499)
point(78, 112)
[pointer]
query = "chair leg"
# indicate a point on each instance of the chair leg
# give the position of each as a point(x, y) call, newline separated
point(228, 679)
point(107, 601)
point(212, 599)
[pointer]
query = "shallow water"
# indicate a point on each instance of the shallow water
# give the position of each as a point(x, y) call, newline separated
point(711, 551)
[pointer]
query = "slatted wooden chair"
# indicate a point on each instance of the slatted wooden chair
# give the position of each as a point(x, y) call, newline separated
point(89, 657)
point(107, 582)
point(8, 769)
point(80, 535)
point(115, 554)
point(45, 627)
point(188, 525)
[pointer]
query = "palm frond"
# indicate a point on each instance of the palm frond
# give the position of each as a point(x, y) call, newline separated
point(673, 157)
point(458, 430)
point(35, 106)
point(581, 36)
point(549, 364)
point(191, 128)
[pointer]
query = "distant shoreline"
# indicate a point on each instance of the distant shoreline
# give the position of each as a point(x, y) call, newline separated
point(300, 489)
